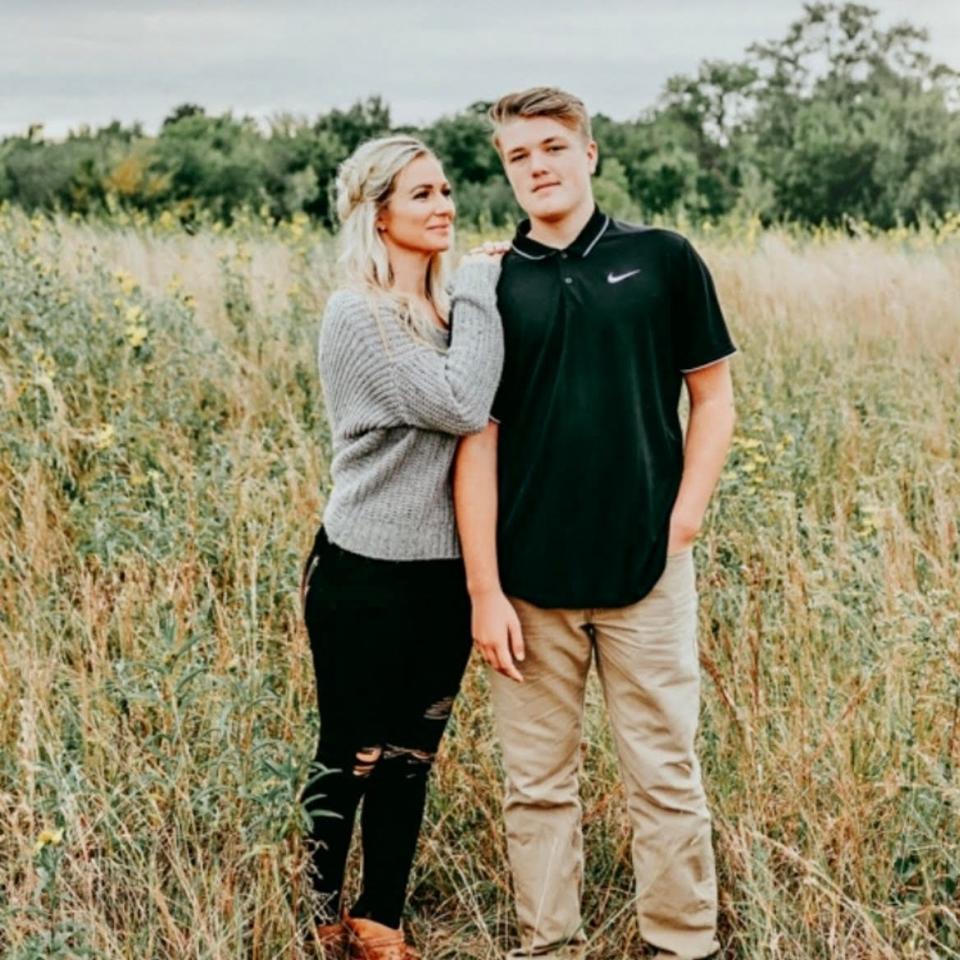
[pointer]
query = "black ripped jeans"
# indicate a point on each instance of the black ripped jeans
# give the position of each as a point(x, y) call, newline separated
point(390, 642)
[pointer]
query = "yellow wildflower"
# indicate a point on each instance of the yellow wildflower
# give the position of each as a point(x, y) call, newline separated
point(136, 334)
point(127, 282)
point(44, 361)
point(51, 838)
point(104, 437)
point(138, 478)
point(134, 314)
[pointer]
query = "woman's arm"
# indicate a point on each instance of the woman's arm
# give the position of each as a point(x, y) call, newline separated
point(453, 392)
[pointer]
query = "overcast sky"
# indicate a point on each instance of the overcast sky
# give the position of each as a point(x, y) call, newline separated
point(67, 62)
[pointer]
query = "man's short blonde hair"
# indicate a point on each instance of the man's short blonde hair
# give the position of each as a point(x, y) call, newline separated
point(541, 102)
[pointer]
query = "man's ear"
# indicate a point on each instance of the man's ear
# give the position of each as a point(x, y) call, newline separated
point(593, 155)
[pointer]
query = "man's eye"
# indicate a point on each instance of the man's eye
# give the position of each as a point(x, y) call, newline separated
point(519, 156)
point(556, 147)
point(446, 191)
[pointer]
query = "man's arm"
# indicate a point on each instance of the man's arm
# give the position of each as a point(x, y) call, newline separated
point(495, 626)
point(709, 431)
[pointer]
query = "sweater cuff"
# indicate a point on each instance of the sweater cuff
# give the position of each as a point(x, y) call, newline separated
point(476, 281)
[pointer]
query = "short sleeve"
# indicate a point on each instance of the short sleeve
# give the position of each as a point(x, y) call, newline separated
point(700, 334)
point(499, 404)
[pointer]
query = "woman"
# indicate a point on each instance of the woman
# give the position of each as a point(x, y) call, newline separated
point(384, 589)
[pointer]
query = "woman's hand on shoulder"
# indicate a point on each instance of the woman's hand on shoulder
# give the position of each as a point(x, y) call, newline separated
point(490, 252)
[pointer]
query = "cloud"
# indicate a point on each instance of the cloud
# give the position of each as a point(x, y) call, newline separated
point(66, 63)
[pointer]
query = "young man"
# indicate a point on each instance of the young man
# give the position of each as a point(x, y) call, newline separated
point(577, 509)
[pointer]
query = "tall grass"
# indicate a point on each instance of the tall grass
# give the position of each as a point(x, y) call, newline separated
point(163, 468)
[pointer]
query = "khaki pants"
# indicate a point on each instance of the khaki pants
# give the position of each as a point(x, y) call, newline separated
point(648, 666)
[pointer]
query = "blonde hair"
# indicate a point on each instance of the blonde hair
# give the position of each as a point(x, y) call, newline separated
point(365, 182)
point(541, 102)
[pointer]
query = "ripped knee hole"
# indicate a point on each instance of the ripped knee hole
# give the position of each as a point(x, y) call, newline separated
point(410, 754)
point(366, 760)
point(439, 710)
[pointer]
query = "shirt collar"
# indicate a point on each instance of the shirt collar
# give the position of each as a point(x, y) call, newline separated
point(585, 241)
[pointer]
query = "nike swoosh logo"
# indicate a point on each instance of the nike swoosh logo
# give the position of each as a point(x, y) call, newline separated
point(616, 278)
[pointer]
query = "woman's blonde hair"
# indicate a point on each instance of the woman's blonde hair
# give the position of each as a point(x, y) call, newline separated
point(365, 182)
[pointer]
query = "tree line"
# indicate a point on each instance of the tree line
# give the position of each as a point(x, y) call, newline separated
point(840, 118)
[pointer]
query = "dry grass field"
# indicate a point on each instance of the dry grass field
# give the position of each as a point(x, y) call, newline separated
point(163, 469)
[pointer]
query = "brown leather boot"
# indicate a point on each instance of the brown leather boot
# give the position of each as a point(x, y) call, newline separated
point(370, 940)
point(331, 938)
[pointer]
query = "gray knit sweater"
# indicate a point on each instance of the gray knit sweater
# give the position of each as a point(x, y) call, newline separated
point(396, 408)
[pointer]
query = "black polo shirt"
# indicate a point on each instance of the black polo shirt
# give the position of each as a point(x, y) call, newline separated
point(597, 339)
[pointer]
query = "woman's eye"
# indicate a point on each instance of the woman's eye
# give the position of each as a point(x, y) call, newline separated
point(555, 148)
point(420, 196)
